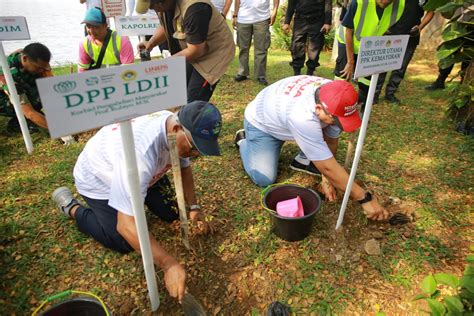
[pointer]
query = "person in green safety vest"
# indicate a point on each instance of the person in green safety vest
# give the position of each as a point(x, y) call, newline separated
point(363, 18)
point(118, 50)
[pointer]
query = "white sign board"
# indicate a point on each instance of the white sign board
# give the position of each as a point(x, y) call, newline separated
point(378, 54)
point(95, 98)
point(136, 25)
point(113, 7)
point(13, 28)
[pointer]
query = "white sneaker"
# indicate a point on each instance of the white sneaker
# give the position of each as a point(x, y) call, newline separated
point(68, 140)
point(64, 200)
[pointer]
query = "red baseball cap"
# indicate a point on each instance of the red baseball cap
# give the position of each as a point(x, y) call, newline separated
point(340, 99)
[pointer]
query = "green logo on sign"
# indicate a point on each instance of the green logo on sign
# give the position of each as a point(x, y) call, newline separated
point(64, 86)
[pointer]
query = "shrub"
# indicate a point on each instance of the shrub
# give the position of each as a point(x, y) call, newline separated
point(448, 295)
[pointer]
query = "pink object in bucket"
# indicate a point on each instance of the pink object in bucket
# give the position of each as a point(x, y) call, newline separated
point(290, 208)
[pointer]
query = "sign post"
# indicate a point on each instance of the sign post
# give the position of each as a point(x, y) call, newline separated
point(14, 28)
point(377, 54)
point(113, 8)
point(136, 25)
point(96, 98)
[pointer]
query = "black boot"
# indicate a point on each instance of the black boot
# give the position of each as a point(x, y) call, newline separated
point(297, 71)
point(437, 85)
point(310, 72)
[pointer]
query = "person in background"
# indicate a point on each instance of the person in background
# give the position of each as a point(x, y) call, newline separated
point(130, 7)
point(100, 176)
point(196, 30)
point(27, 65)
point(443, 75)
point(411, 23)
point(252, 19)
point(89, 5)
point(311, 111)
point(312, 21)
point(92, 3)
point(222, 6)
point(363, 18)
point(118, 49)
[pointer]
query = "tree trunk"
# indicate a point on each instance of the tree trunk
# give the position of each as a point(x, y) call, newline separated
point(464, 116)
point(469, 76)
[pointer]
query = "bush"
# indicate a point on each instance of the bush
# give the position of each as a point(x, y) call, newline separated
point(280, 39)
point(448, 295)
point(461, 107)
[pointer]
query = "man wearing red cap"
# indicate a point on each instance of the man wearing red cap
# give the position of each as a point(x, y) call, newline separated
point(310, 111)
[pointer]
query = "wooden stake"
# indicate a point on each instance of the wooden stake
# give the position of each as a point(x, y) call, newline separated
point(350, 150)
point(178, 186)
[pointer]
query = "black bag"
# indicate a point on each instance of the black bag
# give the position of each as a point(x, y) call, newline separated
point(98, 64)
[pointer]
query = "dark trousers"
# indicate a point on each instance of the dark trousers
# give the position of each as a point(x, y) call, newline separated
point(306, 35)
point(444, 73)
point(100, 220)
point(362, 83)
point(198, 87)
point(396, 76)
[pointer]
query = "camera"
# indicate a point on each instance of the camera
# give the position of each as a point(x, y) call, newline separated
point(144, 55)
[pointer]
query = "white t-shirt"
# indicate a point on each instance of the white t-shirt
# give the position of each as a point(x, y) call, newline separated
point(253, 11)
point(219, 4)
point(93, 4)
point(130, 7)
point(286, 111)
point(100, 172)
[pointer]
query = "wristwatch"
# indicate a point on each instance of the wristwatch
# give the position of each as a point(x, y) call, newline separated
point(194, 207)
point(367, 198)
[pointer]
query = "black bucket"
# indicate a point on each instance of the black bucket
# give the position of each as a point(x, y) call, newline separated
point(89, 305)
point(292, 228)
point(80, 306)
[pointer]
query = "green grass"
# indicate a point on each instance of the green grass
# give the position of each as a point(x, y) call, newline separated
point(411, 152)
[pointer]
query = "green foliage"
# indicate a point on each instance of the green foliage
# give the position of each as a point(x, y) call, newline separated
point(458, 300)
point(458, 46)
point(434, 4)
point(461, 104)
point(429, 285)
point(457, 35)
point(329, 39)
point(280, 39)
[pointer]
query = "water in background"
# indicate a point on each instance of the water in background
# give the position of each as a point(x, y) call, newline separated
point(55, 23)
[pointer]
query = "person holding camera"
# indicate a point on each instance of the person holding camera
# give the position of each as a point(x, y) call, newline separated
point(312, 21)
point(102, 47)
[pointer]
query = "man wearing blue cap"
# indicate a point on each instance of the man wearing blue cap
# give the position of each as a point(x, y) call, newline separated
point(102, 46)
point(100, 178)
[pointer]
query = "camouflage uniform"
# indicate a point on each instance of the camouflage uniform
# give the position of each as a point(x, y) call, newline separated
point(25, 83)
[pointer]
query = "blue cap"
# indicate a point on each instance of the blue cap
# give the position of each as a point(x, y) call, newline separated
point(203, 120)
point(94, 16)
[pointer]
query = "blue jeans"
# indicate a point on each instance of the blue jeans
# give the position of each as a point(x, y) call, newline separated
point(260, 152)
